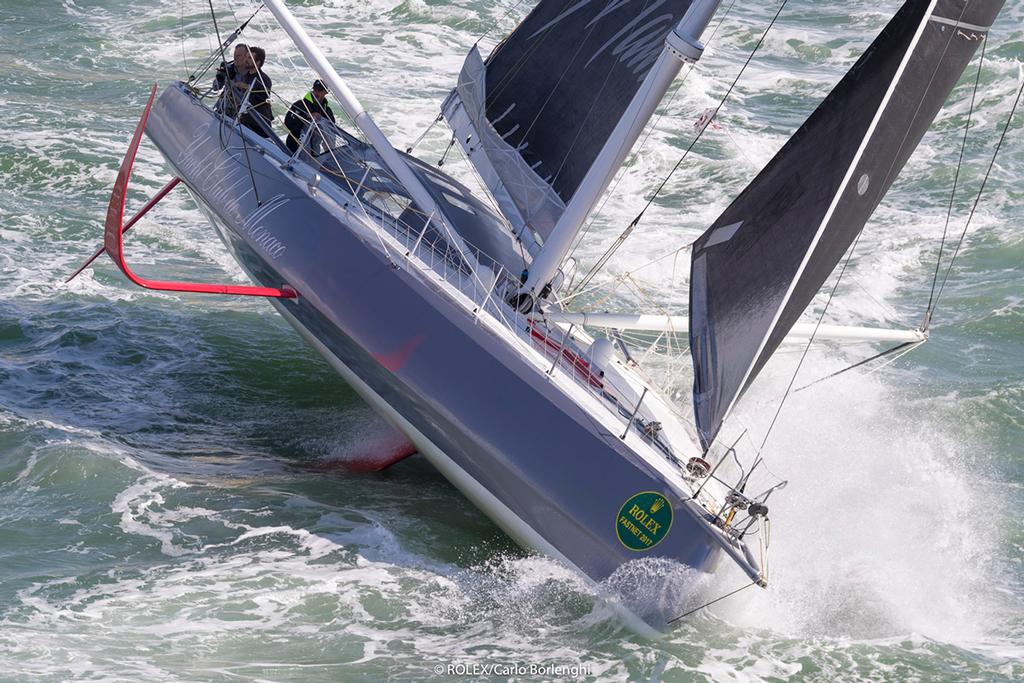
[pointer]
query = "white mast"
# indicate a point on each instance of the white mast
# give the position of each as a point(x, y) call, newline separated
point(374, 135)
point(682, 45)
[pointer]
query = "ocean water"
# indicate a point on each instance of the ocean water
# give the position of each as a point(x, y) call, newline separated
point(173, 498)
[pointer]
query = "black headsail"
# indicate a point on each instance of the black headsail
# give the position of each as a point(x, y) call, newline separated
point(535, 116)
point(762, 262)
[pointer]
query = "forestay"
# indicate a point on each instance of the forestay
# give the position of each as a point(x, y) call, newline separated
point(761, 263)
point(535, 116)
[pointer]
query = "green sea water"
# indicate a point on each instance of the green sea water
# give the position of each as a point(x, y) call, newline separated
point(173, 499)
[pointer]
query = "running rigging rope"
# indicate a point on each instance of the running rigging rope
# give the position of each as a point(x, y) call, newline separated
point(909, 346)
point(708, 604)
point(497, 21)
point(643, 143)
point(216, 28)
point(952, 196)
point(212, 59)
point(227, 84)
point(476, 42)
point(181, 35)
point(414, 145)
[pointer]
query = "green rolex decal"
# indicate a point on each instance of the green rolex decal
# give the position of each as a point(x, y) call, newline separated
point(644, 521)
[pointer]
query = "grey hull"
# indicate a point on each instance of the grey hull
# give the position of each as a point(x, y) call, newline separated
point(500, 429)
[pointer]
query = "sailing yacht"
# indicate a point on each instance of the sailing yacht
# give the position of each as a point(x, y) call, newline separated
point(442, 307)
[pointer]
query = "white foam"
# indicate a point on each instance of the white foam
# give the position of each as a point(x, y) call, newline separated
point(886, 537)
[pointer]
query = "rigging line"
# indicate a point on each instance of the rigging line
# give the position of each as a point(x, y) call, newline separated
point(963, 147)
point(675, 270)
point(181, 35)
point(444, 156)
point(568, 66)
point(263, 84)
point(981, 191)
point(287, 60)
point(714, 114)
point(494, 23)
point(761, 498)
point(949, 213)
point(893, 359)
point(216, 28)
point(211, 59)
point(624, 235)
point(883, 354)
point(803, 357)
point(977, 199)
point(746, 434)
point(520, 246)
point(414, 145)
point(593, 106)
point(708, 604)
point(647, 299)
point(583, 123)
point(237, 124)
point(516, 67)
point(643, 143)
point(521, 62)
point(578, 290)
point(921, 101)
point(231, 8)
point(611, 191)
point(228, 86)
point(889, 310)
point(486, 193)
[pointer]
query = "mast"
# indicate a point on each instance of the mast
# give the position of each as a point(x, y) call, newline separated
point(682, 45)
point(374, 135)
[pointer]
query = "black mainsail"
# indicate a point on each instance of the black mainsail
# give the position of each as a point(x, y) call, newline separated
point(761, 263)
point(534, 117)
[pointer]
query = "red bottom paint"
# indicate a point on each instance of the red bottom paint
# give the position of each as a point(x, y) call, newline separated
point(375, 452)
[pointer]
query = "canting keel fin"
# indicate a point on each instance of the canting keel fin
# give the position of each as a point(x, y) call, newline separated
point(114, 231)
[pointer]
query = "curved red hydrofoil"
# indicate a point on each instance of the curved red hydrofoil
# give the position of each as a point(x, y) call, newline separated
point(114, 231)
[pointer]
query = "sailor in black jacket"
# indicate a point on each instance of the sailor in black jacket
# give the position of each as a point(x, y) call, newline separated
point(312, 107)
point(232, 77)
point(242, 74)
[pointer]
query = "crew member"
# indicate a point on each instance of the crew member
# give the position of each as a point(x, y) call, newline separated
point(232, 77)
point(311, 108)
point(260, 113)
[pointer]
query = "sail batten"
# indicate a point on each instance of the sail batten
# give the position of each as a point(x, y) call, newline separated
point(761, 263)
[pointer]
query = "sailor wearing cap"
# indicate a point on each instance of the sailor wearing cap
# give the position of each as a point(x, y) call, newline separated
point(311, 108)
